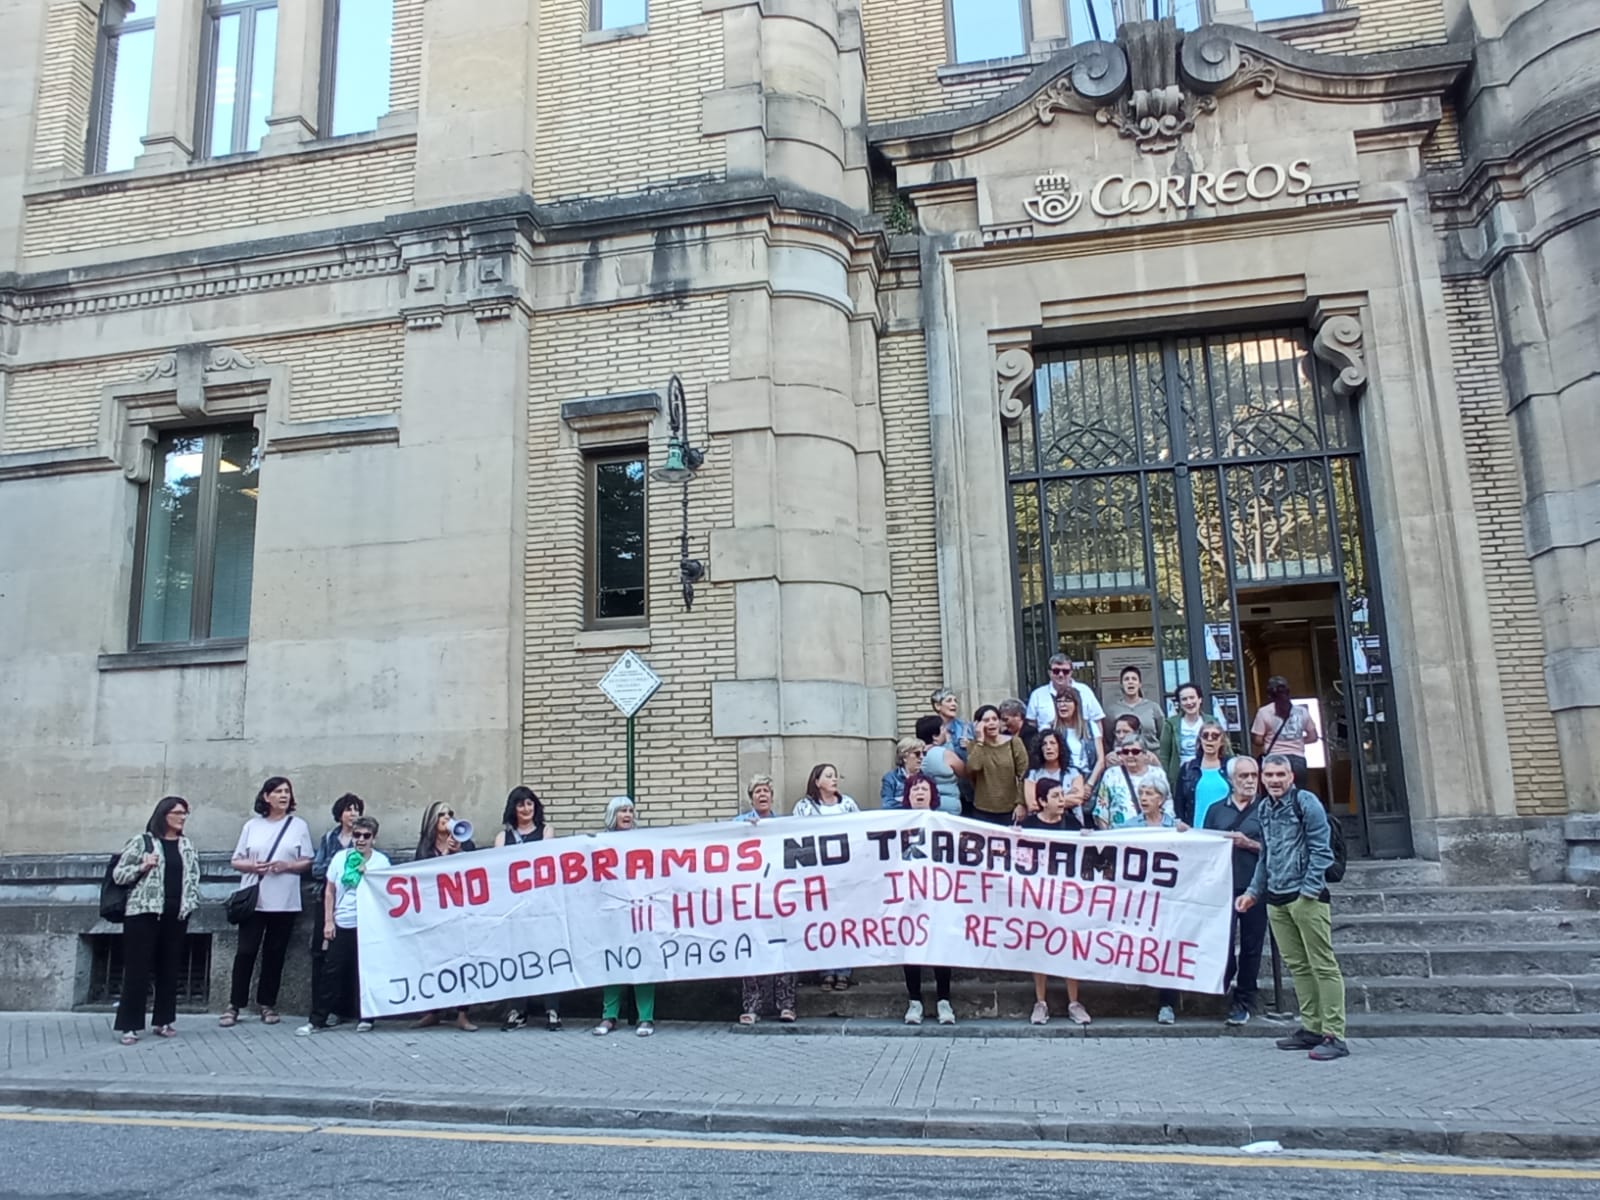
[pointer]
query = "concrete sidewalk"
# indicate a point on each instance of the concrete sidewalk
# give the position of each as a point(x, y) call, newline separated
point(1509, 1097)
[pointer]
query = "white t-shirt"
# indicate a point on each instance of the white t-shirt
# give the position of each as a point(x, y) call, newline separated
point(1042, 705)
point(279, 893)
point(344, 899)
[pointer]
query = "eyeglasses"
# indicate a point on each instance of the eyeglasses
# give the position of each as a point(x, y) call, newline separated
point(1131, 750)
point(360, 837)
point(1210, 737)
point(1061, 670)
point(446, 813)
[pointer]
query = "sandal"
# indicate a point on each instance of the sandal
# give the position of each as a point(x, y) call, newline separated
point(787, 1016)
point(269, 1015)
point(605, 1027)
point(229, 1018)
point(748, 1018)
point(166, 1031)
point(130, 1038)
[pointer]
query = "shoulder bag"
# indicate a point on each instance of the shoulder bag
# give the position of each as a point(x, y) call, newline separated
point(242, 904)
point(114, 895)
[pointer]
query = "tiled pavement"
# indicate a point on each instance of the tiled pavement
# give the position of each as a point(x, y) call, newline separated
point(1549, 1083)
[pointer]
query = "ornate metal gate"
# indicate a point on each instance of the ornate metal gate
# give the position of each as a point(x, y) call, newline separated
point(1152, 480)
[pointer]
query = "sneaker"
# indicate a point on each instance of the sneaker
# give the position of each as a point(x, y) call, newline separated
point(1166, 1016)
point(1041, 1013)
point(646, 1029)
point(1329, 1049)
point(552, 1022)
point(332, 1022)
point(305, 1030)
point(1238, 1014)
point(604, 1027)
point(914, 1013)
point(514, 1020)
point(363, 1026)
point(1078, 1013)
point(947, 1015)
point(1300, 1039)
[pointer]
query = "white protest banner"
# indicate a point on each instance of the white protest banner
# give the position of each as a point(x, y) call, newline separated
point(794, 894)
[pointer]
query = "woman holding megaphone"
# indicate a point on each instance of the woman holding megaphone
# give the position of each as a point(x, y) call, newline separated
point(443, 834)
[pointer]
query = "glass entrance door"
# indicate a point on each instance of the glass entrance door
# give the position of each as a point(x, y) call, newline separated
point(1151, 482)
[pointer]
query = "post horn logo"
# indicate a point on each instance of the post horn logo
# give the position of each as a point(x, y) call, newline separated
point(1055, 199)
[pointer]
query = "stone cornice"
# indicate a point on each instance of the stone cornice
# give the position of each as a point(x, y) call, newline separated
point(1094, 77)
point(394, 246)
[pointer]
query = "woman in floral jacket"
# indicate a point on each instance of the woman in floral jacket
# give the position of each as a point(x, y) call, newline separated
point(162, 871)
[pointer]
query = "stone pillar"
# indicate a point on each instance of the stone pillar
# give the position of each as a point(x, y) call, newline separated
point(21, 55)
point(792, 104)
point(174, 88)
point(297, 76)
point(475, 127)
point(806, 552)
point(1532, 102)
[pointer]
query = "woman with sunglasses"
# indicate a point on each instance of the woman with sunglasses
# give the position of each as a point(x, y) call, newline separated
point(162, 873)
point(340, 990)
point(436, 840)
point(1117, 797)
point(1203, 780)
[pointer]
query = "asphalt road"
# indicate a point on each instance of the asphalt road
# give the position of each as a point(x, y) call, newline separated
point(68, 1157)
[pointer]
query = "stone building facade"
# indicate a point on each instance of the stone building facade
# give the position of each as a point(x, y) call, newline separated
point(335, 348)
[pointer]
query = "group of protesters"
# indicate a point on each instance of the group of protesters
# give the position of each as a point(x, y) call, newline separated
point(1045, 766)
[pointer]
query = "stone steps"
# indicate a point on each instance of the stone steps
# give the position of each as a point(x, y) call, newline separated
point(1376, 873)
point(1501, 899)
point(1434, 961)
point(1462, 928)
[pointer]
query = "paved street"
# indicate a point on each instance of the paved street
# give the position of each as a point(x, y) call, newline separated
point(186, 1159)
point(1392, 1093)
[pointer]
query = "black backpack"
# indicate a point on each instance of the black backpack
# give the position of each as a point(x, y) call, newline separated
point(114, 895)
point(1335, 872)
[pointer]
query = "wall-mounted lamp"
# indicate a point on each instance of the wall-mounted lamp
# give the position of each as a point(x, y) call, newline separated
point(683, 460)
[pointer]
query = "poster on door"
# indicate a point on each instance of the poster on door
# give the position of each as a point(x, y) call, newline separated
point(1109, 662)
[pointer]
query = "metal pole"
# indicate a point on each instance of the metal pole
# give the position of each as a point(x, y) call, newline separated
point(631, 794)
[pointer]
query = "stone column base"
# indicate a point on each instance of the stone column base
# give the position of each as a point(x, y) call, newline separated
point(1583, 848)
point(1489, 850)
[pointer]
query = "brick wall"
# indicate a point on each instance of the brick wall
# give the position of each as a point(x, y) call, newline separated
point(1383, 25)
point(1442, 150)
point(48, 408)
point(233, 196)
point(339, 373)
point(65, 82)
point(1507, 578)
point(619, 115)
point(574, 754)
point(405, 54)
point(905, 47)
point(917, 653)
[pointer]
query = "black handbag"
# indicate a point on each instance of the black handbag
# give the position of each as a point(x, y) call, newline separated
point(114, 895)
point(241, 905)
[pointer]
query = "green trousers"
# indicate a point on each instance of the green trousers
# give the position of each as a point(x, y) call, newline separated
point(644, 999)
point(1304, 932)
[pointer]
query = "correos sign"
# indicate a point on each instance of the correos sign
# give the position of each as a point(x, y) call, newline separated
point(1056, 198)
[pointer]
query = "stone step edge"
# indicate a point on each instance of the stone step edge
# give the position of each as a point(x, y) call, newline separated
point(1360, 1025)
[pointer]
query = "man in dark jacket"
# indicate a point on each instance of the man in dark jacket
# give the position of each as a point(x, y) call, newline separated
point(1238, 819)
point(1290, 876)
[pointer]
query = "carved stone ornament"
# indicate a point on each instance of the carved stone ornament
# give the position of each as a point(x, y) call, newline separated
point(1156, 82)
point(1338, 343)
point(1098, 75)
point(1013, 368)
point(165, 367)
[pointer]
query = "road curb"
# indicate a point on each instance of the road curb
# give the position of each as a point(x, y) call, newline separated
point(1512, 1140)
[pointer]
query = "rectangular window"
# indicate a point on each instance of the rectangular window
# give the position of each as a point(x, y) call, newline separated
point(197, 550)
point(120, 112)
point(355, 67)
point(1274, 10)
point(615, 554)
point(617, 14)
point(241, 50)
point(984, 29)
